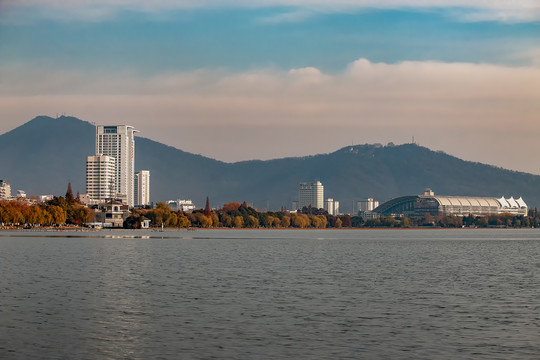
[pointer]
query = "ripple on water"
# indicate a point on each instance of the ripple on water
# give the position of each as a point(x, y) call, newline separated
point(270, 294)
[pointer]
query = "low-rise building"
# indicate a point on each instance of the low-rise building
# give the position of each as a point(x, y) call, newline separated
point(181, 205)
point(43, 198)
point(112, 214)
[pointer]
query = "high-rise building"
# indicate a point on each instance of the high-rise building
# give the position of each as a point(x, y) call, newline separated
point(100, 177)
point(118, 141)
point(5, 190)
point(142, 188)
point(367, 204)
point(311, 194)
point(331, 206)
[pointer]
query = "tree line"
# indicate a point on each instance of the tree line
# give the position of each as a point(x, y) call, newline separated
point(55, 212)
point(68, 210)
point(236, 215)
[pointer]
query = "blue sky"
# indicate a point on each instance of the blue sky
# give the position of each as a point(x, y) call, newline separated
point(218, 77)
point(240, 39)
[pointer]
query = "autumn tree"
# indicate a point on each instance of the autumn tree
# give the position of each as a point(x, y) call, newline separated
point(183, 221)
point(215, 220)
point(203, 220)
point(229, 207)
point(58, 214)
point(238, 222)
point(252, 222)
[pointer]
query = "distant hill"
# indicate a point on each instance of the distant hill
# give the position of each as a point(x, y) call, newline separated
point(42, 155)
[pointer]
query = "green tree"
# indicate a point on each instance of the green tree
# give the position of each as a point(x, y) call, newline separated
point(207, 210)
point(69, 195)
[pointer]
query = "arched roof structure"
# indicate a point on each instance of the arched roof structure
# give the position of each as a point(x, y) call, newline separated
point(418, 205)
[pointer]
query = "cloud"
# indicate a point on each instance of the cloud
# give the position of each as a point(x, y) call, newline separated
point(96, 10)
point(480, 112)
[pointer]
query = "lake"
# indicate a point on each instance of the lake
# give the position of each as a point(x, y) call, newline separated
point(270, 294)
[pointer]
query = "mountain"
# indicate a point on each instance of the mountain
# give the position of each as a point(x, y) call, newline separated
point(43, 155)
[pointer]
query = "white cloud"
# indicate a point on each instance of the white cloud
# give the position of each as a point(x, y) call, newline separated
point(94, 10)
point(480, 112)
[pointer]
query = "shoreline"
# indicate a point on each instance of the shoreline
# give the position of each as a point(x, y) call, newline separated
point(84, 229)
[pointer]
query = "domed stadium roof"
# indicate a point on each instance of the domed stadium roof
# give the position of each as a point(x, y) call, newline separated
point(418, 205)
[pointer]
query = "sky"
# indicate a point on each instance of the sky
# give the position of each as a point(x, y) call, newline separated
point(238, 80)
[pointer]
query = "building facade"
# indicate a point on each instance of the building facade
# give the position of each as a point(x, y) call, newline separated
point(5, 190)
point(311, 194)
point(112, 214)
point(367, 204)
point(181, 205)
point(118, 141)
point(142, 188)
point(100, 177)
point(331, 206)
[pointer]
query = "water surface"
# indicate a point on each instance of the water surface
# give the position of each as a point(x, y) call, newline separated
point(270, 294)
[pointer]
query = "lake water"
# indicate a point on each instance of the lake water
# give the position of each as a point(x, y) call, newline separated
point(270, 294)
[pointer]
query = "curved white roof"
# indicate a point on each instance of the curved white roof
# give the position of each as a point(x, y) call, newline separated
point(512, 202)
point(505, 203)
point(521, 203)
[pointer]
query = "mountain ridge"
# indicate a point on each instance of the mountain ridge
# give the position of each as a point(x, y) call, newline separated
point(60, 146)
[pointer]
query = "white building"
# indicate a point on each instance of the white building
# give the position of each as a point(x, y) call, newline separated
point(331, 206)
point(118, 141)
point(181, 205)
point(142, 188)
point(5, 190)
point(311, 194)
point(367, 204)
point(100, 177)
point(43, 198)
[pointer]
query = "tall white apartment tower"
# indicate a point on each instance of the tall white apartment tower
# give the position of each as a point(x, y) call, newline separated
point(100, 177)
point(142, 188)
point(118, 141)
point(311, 194)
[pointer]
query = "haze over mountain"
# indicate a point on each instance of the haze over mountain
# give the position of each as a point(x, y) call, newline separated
point(43, 155)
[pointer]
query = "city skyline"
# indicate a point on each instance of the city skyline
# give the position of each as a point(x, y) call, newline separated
point(232, 80)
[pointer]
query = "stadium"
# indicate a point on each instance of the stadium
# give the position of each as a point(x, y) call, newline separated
point(428, 203)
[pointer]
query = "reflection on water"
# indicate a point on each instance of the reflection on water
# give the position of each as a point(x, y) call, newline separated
point(270, 294)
